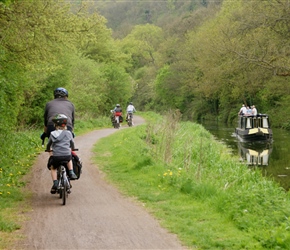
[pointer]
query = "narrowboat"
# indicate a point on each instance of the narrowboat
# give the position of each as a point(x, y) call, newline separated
point(254, 128)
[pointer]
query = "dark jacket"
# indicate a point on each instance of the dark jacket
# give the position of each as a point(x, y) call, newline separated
point(59, 106)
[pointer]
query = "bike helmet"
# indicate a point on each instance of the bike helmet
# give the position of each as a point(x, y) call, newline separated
point(60, 92)
point(118, 105)
point(60, 120)
point(131, 103)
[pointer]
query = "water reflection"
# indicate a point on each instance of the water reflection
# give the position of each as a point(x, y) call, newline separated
point(272, 159)
point(255, 153)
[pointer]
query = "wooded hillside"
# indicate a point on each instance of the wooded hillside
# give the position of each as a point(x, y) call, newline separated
point(201, 57)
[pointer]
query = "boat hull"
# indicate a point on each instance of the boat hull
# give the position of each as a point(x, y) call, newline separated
point(255, 134)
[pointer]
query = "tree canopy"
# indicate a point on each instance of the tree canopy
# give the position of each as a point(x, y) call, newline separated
point(201, 57)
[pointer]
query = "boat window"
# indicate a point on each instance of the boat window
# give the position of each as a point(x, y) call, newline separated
point(249, 123)
point(265, 122)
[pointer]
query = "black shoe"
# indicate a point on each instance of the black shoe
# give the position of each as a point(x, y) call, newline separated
point(72, 176)
point(54, 187)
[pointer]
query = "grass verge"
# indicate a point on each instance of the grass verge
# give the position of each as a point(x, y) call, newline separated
point(196, 189)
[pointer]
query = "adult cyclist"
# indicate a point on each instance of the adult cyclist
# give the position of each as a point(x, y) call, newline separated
point(130, 110)
point(59, 105)
point(118, 113)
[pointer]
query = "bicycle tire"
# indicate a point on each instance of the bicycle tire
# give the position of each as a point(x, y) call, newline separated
point(117, 125)
point(63, 191)
point(130, 123)
point(60, 188)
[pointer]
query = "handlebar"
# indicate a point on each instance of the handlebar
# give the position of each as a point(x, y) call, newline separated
point(75, 149)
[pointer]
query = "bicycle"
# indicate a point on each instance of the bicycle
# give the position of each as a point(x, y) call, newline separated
point(116, 120)
point(64, 185)
point(130, 119)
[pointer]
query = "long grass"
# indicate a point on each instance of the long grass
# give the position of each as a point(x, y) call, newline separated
point(195, 187)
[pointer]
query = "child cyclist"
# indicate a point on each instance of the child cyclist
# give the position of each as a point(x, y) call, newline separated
point(61, 142)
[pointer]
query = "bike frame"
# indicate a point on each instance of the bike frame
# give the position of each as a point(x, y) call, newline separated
point(63, 182)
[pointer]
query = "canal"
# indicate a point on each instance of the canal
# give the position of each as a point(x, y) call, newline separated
point(272, 159)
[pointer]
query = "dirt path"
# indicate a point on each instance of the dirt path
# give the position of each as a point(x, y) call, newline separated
point(96, 215)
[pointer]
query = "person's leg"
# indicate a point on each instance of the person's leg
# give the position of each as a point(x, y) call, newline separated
point(71, 172)
point(70, 165)
point(53, 173)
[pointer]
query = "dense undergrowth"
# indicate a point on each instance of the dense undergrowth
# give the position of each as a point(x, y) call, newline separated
point(196, 188)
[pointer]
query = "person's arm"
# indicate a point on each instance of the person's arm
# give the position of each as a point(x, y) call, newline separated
point(72, 143)
point(73, 118)
point(45, 121)
point(49, 143)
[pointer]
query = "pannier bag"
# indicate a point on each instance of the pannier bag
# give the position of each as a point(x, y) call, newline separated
point(77, 166)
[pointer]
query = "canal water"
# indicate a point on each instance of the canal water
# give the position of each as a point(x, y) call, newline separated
point(272, 159)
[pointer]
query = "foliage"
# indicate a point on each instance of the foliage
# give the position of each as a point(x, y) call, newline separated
point(16, 159)
point(49, 44)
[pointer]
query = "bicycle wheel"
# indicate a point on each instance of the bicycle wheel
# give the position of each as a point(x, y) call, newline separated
point(130, 122)
point(59, 190)
point(63, 191)
point(117, 125)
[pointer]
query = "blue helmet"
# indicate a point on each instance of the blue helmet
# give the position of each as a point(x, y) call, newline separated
point(60, 92)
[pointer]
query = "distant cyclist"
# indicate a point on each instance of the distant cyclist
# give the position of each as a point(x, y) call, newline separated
point(130, 110)
point(61, 143)
point(118, 112)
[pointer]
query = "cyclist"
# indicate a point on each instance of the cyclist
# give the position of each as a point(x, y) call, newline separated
point(118, 112)
point(59, 105)
point(130, 110)
point(61, 142)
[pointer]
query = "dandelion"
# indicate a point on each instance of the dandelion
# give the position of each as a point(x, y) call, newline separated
point(165, 174)
point(11, 174)
point(8, 192)
point(170, 173)
point(8, 185)
point(0, 193)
